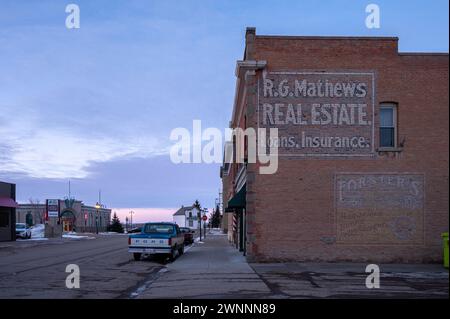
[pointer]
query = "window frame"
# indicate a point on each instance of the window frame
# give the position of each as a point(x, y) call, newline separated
point(394, 107)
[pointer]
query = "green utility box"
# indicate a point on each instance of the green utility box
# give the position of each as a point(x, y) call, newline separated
point(445, 242)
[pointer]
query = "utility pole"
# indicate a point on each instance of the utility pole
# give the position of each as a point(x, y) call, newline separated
point(205, 210)
point(204, 223)
point(220, 202)
point(199, 214)
point(131, 221)
point(97, 207)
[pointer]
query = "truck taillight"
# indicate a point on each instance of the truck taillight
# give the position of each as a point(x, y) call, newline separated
point(129, 240)
point(170, 241)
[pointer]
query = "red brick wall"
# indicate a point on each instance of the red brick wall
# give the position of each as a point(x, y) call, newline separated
point(292, 214)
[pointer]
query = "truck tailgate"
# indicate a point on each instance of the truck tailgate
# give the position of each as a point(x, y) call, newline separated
point(149, 242)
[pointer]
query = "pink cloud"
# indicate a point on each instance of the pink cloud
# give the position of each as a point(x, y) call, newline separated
point(142, 215)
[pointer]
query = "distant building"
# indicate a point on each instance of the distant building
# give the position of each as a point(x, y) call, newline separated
point(72, 214)
point(7, 211)
point(187, 216)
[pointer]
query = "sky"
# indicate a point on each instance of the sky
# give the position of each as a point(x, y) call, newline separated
point(96, 105)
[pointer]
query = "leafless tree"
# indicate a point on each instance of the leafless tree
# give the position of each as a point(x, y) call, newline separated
point(35, 205)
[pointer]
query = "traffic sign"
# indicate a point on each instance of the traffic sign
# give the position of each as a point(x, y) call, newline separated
point(204, 218)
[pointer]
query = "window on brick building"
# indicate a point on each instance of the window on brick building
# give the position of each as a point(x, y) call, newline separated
point(388, 125)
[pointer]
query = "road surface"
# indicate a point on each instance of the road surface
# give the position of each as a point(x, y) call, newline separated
point(209, 269)
point(38, 269)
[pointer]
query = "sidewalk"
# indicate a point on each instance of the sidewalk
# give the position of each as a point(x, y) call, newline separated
point(348, 280)
point(213, 269)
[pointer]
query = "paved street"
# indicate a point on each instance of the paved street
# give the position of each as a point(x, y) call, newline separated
point(38, 269)
point(213, 269)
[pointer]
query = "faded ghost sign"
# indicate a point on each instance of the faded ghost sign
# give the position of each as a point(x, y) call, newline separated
point(318, 113)
point(379, 208)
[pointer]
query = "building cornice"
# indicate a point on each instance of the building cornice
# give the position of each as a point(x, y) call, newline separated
point(242, 68)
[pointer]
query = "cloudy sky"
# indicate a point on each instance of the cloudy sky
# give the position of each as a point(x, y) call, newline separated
point(96, 105)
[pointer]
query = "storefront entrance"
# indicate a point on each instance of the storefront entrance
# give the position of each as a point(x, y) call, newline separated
point(68, 221)
point(237, 204)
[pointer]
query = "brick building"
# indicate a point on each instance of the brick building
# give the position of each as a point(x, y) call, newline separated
point(362, 151)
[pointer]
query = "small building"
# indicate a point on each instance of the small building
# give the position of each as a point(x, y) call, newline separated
point(187, 216)
point(72, 214)
point(7, 211)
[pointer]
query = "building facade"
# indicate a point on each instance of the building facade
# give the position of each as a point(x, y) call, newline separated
point(8, 207)
point(187, 216)
point(72, 214)
point(362, 141)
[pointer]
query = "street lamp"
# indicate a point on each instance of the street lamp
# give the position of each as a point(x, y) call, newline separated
point(205, 211)
point(97, 207)
point(199, 218)
point(131, 220)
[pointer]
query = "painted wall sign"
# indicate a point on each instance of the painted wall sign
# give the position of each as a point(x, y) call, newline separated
point(379, 208)
point(319, 113)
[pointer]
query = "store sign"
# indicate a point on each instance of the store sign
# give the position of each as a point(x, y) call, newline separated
point(379, 208)
point(318, 113)
point(52, 208)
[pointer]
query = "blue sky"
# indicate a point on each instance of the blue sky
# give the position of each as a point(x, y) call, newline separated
point(96, 105)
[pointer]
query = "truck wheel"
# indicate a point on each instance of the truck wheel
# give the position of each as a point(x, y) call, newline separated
point(137, 256)
point(172, 255)
point(181, 250)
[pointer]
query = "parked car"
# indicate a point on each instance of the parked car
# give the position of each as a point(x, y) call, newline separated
point(157, 239)
point(188, 235)
point(135, 230)
point(23, 231)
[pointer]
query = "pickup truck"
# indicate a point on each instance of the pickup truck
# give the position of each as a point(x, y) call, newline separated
point(157, 239)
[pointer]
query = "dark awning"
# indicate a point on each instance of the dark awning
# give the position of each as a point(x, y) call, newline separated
point(238, 200)
point(8, 202)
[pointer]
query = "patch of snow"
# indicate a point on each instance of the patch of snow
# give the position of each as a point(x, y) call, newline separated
point(72, 236)
point(111, 233)
point(38, 231)
point(216, 232)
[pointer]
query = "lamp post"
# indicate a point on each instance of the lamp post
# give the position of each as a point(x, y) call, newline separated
point(131, 220)
point(126, 223)
point(97, 207)
point(205, 210)
point(199, 218)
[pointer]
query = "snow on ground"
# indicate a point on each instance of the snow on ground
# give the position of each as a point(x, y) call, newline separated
point(36, 239)
point(38, 231)
point(216, 232)
point(73, 235)
point(111, 233)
